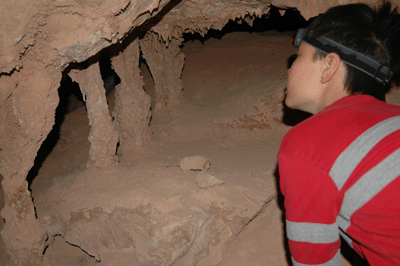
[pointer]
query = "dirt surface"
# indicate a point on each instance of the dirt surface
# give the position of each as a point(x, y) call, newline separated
point(231, 113)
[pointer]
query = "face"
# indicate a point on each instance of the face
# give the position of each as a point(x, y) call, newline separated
point(304, 81)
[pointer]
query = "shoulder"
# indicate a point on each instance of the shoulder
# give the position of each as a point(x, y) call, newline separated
point(306, 136)
point(321, 138)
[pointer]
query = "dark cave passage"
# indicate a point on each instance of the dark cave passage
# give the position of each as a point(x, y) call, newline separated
point(290, 21)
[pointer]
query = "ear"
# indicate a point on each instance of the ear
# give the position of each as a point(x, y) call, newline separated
point(331, 65)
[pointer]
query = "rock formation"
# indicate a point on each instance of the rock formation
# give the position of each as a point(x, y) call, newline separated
point(40, 41)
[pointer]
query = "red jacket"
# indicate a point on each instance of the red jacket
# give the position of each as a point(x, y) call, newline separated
point(340, 175)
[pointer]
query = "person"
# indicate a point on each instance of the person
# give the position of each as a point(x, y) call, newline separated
point(339, 169)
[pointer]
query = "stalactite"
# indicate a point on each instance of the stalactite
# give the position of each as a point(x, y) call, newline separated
point(132, 105)
point(165, 61)
point(103, 137)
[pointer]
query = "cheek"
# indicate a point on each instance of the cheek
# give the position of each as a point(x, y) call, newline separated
point(292, 80)
point(301, 78)
point(291, 94)
point(295, 72)
point(296, 87)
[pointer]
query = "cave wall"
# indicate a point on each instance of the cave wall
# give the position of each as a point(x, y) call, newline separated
point(40, 40)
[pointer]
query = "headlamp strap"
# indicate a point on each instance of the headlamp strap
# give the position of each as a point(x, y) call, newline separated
point(380, 73)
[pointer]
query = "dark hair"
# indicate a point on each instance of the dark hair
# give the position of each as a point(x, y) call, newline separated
point(372, 32)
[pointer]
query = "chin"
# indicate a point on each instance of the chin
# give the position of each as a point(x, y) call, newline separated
point(288, 103)
point(293, 106)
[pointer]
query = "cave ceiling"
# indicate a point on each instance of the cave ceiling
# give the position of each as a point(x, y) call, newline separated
point(64, 31)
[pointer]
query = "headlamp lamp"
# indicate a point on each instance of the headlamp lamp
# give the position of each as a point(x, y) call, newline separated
point(380, 73)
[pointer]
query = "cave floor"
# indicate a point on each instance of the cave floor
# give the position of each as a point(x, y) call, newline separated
point(231, 113)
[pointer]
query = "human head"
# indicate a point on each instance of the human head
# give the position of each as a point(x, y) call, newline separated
point(374, 33)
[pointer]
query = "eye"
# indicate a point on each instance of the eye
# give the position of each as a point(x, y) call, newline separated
point(290, 60)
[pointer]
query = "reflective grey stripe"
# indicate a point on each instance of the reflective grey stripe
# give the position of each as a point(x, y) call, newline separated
point(312, 232)
point(335, 261)
point(368, 186)
point(352, 155)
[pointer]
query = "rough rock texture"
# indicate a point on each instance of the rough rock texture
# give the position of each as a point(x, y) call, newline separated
point(184, 226)
point(205, 180)
point(49, 36)
point(38, 41)
point(28, 101)
point(132, 105)
point(195, 163)
point(165, 61)
point(103, 137)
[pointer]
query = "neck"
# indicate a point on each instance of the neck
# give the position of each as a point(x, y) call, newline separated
point(333, 95)
point(334, 89)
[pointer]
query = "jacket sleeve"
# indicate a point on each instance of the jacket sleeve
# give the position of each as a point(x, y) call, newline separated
point(312, 203)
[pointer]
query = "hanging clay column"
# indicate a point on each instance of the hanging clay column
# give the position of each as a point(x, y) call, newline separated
point(28, 100)
point(132, 105)
point(165, 61)
point(103, 137)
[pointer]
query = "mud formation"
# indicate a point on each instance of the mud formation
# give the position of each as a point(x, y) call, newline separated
point(42, 41)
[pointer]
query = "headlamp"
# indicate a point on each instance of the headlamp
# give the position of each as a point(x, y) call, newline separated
point(380, 73)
